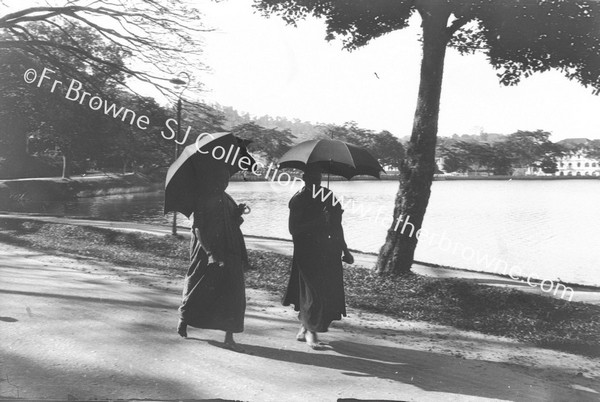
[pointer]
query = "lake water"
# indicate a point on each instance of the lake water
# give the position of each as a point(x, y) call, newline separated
point(550, 229)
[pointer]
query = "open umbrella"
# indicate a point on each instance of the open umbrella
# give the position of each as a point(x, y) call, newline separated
point(184, 178)
point(332, 156)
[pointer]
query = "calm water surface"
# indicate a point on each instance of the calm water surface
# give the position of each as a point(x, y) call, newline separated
point(550, 229)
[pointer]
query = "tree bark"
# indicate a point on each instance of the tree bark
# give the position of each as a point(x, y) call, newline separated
point(66, 170)
point(13, 139)
point(417, 169)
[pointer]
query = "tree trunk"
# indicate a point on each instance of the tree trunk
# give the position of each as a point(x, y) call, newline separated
point(417, 170)
point(66, 170)
point(13, 141)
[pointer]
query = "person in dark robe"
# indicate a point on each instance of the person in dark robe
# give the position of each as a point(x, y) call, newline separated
point(214, 290)
point(316, 285)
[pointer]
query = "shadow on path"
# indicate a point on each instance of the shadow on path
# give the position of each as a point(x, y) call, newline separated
point(429, 371)
point(144, 303)
point(54, 381)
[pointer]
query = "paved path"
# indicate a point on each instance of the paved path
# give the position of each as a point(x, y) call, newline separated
point(581, 293)
point(80, 329)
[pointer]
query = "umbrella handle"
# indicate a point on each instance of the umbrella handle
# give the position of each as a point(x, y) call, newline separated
point(245, 209)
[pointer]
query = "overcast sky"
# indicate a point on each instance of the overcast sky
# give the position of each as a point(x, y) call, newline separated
point(263, 66)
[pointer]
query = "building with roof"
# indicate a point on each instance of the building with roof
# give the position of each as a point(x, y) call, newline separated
point(577, 164)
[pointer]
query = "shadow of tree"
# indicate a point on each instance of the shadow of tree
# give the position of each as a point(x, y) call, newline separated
point(143, 303)
point(56, 382)
point(429, 371)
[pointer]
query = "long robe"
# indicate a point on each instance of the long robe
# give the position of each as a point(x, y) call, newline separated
point(206, 303)
point(316, 285)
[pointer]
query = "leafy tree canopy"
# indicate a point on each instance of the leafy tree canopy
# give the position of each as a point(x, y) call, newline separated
point(518, 150)
point(158, 36)
point(520, 37)
point(383, 145)
point(40, 122)
point(270, 142)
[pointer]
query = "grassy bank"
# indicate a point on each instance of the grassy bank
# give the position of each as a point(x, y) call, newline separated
point(16, 192)
point(546, 322)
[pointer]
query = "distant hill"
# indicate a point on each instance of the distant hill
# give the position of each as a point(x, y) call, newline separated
point(303, 130)
point(483, 137)
point(573, 143)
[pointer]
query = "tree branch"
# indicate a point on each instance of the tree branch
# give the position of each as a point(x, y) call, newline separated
point(161, 37)
point(457, 24)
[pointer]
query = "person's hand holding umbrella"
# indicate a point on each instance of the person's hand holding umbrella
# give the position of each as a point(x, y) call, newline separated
point(212, 262)
point(348, 258)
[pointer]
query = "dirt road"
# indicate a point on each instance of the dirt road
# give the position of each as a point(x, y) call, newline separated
point(79, 329)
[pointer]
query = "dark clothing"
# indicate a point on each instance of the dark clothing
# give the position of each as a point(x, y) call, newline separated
point(209, 303)
point(316, 285)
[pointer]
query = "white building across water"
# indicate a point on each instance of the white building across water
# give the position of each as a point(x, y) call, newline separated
point(577, 164)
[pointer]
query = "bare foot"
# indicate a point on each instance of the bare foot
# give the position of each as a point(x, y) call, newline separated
point(182, 329)
point(230, 344)
point(301, 336)
point(312, 341)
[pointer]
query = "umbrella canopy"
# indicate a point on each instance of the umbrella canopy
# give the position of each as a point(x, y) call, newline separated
point(332, 156)
point(187, 175)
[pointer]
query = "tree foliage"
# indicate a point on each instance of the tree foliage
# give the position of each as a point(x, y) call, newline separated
point(548, 165)
point(501, 157)
point(157, 36)
point(271, 143)
point(383, 145)
point(519, 38)
point(302, 130)
point(526, 148)
point(386, 147)
point(43, 123)
point(44, 120)
point(103, 45)
point(593, 150)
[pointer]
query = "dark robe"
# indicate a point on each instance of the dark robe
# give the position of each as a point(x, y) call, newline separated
point(208, 303)
point(316, 285)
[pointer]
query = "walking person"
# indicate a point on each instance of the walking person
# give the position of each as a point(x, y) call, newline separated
point(214, 290)
point(316, 286)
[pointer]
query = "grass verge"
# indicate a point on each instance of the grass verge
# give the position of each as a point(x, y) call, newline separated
point(550, 323)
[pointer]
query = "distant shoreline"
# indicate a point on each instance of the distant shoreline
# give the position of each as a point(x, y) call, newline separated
point(48, 189)
point(386, 177)
point(517, 178)
point(59, 189)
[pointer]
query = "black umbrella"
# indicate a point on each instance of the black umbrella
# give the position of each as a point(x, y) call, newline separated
point(185, 176)
point(332, 156)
